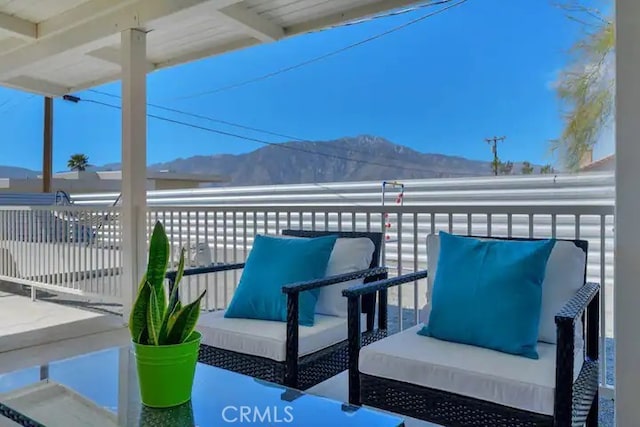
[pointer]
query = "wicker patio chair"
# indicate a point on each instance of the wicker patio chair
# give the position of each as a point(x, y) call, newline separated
point(304, 364)
point(570, 376)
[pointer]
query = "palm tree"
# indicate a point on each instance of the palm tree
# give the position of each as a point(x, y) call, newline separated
point(527, 169)
point(586, 87)
point(547, 169)
point(78, 162)
point(505, 168)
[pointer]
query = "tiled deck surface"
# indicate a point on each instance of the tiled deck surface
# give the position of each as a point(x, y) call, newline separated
point(68, 331)
point(26, 323)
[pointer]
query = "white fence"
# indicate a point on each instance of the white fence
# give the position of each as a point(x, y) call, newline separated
point(76, 249)
point(224, 234)
point(66, 249)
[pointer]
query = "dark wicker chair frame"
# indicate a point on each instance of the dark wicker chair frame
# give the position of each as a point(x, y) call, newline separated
point(306, 371)
point(576, 403)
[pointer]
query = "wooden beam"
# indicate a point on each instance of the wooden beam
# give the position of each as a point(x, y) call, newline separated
point(38, 86)
point(112, 55)
point(10, 44)
point(71, 18)
point(210, 51)
point(19, 27)
point(92, 30)
point(47, 146)
point(348, 15)
point(251, 23)
point(187, 57)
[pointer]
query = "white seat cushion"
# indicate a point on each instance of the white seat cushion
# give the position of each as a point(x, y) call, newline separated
point(476, 372)
point(266, 338)
point(350, 254)
point(563, 278)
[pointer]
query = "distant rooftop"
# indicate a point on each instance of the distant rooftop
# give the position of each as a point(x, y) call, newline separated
point(605, 164)
point(108, 181)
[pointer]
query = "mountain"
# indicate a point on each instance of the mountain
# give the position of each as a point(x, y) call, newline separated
point(296, 162)
point(17, 173)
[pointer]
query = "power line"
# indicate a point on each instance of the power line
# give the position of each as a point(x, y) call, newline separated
point(250, 139)
point(8, 103)
point(326, 55)
point(225, 122)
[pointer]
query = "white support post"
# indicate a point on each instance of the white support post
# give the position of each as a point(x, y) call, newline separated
point(627, 231)
point(134, 162)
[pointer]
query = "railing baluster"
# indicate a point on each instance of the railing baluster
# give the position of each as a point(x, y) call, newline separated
point(215, 260)
point(432, 223)
point(415, 268)
point(469, 224)
point(509, 225)
point(603, 299)
point(265, 218)
point(225, 260)
point(235, 244)
point(207, 303)
point(399, 255)
point(198, 261)
point(531, 226)
point(554, 226)
point(489, 225)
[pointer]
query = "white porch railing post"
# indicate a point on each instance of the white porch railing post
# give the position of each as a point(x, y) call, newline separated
point(627, 232)
point(134, 162)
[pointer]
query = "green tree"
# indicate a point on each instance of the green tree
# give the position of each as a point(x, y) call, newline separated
point(586, 86)
point(78, 162)
point(547, 169)
point(527, 169)
point(505, 168)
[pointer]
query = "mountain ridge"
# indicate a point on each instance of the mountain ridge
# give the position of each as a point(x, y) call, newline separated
point(359, 158)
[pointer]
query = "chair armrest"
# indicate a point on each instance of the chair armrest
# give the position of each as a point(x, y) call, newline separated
point(578, 303)
point(354, 335)
point(586, 299)
point(214, 268)
point(332, 280)
point(380, 285)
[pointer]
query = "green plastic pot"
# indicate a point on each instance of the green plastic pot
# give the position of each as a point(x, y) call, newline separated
point(165, 373)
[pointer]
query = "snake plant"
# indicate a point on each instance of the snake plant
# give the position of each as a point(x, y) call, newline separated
point(158, 318)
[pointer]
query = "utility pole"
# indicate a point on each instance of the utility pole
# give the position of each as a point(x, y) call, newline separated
point(47, 146)
point(494, 148)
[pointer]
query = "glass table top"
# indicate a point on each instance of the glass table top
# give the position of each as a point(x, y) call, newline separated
point(108, 378)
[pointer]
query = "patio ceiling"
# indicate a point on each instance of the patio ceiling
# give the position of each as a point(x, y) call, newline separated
point(57, 47)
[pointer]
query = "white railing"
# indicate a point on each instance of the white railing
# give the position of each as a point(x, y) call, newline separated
point(224, 234)
point(64, 249)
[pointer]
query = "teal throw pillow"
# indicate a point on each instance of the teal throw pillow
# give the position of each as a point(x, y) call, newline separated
point(272, 263)
point(489, 293)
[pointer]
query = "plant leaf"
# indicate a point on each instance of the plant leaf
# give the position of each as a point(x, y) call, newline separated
point(174, 294)
point(138, 315)
point(167, 322)
point(185, 321)
point(155, 313)
point(158, 261)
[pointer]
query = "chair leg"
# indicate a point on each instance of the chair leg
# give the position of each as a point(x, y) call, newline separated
point(592, 418)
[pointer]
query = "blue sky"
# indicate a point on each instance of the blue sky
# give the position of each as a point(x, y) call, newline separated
point(442, 85)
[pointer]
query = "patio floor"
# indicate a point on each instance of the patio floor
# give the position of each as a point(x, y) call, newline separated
point(334, 388)
point(26, 323)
